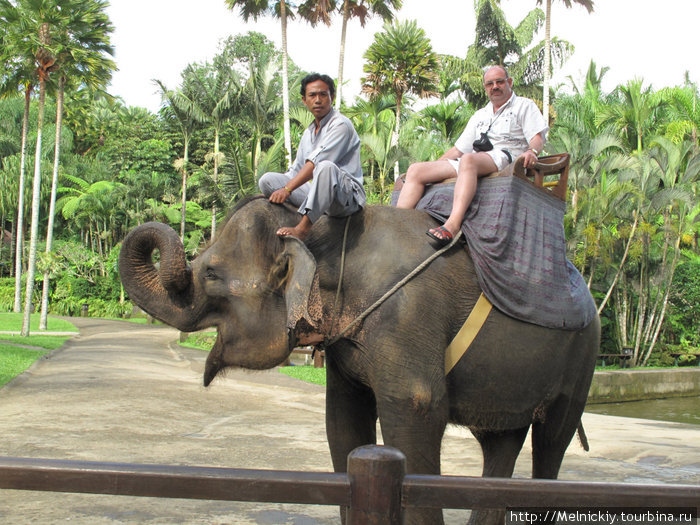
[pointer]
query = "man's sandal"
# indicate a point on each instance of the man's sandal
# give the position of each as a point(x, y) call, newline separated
point(440, 234)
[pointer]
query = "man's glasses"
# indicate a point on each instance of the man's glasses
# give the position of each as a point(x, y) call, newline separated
point(497, 82)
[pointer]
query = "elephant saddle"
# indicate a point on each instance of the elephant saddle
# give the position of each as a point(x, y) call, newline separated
point(514, 229)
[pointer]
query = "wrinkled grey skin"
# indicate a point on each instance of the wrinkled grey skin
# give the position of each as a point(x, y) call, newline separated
point(266, 295)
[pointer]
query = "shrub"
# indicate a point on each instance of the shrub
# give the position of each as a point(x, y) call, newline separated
point(683, 319)
point(7, 292)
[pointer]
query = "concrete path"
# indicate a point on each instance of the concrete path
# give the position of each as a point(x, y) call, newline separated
point(121, 392)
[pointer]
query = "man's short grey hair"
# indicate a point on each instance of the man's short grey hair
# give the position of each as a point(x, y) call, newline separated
point(499, 67)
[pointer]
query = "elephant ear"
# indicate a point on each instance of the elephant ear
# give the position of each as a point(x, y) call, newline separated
point(294, 275)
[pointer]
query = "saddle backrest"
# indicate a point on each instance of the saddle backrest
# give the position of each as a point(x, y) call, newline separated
point(551, 166)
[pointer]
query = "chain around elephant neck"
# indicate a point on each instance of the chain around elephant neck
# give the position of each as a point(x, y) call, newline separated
point(329, 341)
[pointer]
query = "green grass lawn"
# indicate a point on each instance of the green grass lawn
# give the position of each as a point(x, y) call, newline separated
point(306, 373)
point(200, 341)
point(12, 322)
point(15, 358)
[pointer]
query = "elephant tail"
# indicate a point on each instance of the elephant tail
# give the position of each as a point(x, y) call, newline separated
point(582, 436)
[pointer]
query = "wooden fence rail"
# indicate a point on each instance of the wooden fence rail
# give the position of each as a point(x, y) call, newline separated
point(375, 489)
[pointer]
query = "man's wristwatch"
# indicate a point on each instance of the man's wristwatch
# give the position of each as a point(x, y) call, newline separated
point(287, 190)
point(537, 153)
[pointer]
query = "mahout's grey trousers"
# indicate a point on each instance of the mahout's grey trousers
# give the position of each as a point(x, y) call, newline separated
point(331, 191)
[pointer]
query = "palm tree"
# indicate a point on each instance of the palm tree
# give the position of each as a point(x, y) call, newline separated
point(217, 92)
point(90, 206)
point(262, 106)
point(684, 108)
point(361, 10)
point(448, 119)
point(47, 32)
point(588, 4)
point(497, 42)
point(254, 9)
point(636, 115)
point(33, 23)
point(81, 58)
point(454, 72)
point(400, 61)
point(182, 106)
point(20, 71)
point(373, 118)
point(667, 204)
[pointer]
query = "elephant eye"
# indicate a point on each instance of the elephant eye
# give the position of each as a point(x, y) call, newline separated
point(210, 275)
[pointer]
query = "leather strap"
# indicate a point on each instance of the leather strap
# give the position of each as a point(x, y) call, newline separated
point(461, 342)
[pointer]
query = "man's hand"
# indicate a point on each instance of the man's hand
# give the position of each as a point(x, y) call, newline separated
point(529, 159)
point(279, 196)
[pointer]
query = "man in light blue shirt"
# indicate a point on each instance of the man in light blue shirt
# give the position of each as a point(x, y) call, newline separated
point(326, 176)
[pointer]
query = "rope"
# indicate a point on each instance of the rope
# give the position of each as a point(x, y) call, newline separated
point(340, 283)
point(388, 294)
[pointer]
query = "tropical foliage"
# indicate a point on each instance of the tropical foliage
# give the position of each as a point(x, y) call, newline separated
point(98, 167)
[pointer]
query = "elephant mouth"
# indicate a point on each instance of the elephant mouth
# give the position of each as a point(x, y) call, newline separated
point(214, 363)
point(240, 351)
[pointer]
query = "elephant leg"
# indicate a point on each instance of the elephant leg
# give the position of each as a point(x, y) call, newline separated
point(414, 423)
point(500, 450)
point(351, 417)
point(551, 438)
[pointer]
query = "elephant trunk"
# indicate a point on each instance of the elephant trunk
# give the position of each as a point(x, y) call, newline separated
point(166, 293)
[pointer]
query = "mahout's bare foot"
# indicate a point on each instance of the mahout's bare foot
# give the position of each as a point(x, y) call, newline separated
point(300, 231)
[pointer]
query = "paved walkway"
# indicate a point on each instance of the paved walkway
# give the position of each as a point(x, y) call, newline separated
point(121, 392)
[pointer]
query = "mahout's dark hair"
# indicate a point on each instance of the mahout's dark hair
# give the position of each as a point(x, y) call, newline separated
point(313, 77)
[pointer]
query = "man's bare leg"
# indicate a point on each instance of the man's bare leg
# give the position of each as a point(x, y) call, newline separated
point(420, 174)
point(300, 231)
point(471, 166)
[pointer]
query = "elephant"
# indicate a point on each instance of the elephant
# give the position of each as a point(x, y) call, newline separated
point(268, 294)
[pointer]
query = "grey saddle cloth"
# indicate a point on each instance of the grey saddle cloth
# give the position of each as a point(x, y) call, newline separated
point(515, 233)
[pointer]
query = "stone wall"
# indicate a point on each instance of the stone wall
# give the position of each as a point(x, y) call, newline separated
point(633, 385)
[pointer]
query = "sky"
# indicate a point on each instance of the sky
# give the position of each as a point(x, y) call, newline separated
point(647, 39)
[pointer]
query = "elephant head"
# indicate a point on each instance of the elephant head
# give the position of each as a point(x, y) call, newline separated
point(257, 289)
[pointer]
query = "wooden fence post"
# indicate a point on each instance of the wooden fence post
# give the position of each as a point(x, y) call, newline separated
point(376, 476)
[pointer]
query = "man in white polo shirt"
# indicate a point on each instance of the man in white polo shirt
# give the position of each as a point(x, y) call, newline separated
point(507, 128)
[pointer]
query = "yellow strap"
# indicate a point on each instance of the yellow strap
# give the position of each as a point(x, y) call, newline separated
point(467, 333)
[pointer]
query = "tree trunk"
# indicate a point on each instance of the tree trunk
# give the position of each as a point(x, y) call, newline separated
point(285, 86)
point(43, 320)
point(341, 61)
point(395, 135)
point(642, 304)
point(216, 182)
point(184, 190)
point(2, 234)
point(547, 60)
point(20, 203)
point(622, 264)
point(36, 201)
point(12, 246)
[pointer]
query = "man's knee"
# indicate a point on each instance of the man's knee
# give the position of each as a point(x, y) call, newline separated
point(325, 168)
point(326, 174)
point(268, 183)
point(416, 172)
point(469, 159)
point(412, 173)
